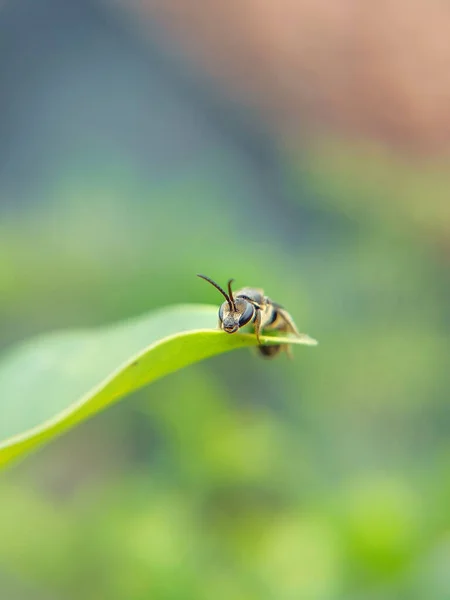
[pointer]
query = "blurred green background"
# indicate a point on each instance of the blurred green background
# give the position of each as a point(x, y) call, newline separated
point(123, 172)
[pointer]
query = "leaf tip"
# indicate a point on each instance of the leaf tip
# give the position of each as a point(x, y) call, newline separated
point(303, 338)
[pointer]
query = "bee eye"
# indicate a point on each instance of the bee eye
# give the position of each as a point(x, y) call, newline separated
point(247, 314)
point(221, 312)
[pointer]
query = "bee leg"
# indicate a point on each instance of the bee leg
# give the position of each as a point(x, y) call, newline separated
point(288, 349)
point(290, 325)
point(257, 324)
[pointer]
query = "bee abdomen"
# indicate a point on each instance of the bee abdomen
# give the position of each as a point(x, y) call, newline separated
point(272, 318)
point(269, 351)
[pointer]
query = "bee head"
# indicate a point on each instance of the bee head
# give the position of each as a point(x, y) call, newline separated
point(229, 319)
point(240, 315)
point(235, 312)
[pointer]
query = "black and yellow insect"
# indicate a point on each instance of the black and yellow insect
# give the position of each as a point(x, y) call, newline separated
point(250, 305)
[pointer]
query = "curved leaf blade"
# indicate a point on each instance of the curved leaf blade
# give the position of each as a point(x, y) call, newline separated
point(52, 383)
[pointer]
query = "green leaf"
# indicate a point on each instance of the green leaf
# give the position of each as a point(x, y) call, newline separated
point(49, 384)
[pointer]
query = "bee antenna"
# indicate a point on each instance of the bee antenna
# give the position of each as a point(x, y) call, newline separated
point(230, 293)
point(217, 286)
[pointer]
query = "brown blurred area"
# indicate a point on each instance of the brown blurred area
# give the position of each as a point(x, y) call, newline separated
point(377, 70)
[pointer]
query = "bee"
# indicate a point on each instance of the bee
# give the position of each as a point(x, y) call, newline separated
point(250, 305)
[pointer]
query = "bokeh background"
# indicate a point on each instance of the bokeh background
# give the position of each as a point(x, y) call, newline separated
point(299, 146)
